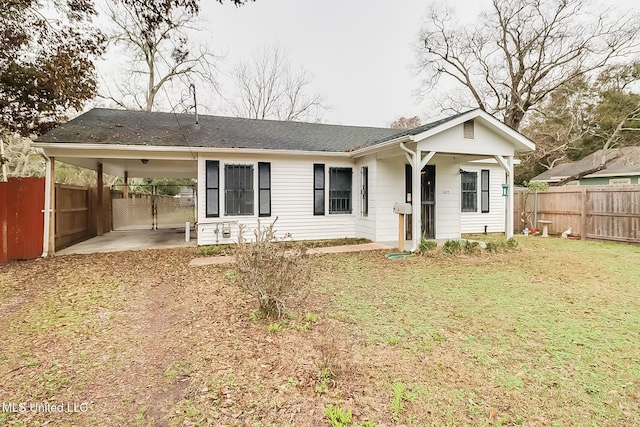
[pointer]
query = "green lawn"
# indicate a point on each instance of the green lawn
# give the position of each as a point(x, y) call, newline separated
point(547, 335)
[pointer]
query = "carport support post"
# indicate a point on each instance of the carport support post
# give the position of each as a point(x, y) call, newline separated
point(52, 207)
point(99, 225)
point(125, 189)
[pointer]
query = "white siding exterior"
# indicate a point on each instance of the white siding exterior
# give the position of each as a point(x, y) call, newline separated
point(390, 188)
point(292, 190)
point(447, 197)
point(366, 224)
point(485, 142)
point(291, 199)
point(475, 222)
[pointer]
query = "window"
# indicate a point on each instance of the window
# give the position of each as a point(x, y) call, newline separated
point(340, 190)
point(619, 181)
point(469, 191)
point(365, 191)
point(264, 189)
point(213, 188)
point(318, 189)
point(238, 182)
point(467, 129)
point(484, 187)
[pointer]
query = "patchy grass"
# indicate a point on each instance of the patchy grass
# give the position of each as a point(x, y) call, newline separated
point(546, 335)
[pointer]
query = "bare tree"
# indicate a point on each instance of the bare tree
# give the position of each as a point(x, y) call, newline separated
point(154, 35)
point(269, 87)
point(19, 158)
point(405, 122)
point(522, 50)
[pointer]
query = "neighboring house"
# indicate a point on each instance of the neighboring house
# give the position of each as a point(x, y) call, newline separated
point(622, 167)
point(321, 181)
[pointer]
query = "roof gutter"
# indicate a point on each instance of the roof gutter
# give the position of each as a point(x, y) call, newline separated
point(377, 147)
point(165, 149)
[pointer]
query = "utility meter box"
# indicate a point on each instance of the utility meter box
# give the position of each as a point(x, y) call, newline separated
point(402, 208)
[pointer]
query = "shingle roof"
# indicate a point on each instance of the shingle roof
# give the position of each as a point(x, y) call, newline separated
point(422, 128)
point(119, 127)
point(620, 161)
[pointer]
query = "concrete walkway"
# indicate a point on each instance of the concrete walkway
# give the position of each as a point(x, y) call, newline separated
point(328, 250)
point(117, 241)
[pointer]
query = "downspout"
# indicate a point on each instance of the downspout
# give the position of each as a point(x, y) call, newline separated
point(414, 206)
point(47, 203)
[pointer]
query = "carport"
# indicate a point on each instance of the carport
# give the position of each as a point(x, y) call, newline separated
point(97, 141)
point(117, 241)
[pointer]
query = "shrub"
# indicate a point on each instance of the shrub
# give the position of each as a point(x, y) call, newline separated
point(451, 247)
point(470, 247)
point(511, 244)
point(337, 416)
point(502, 245)
point(270, 271)
point(214, 250)
point(426, 245)
point(492, 247)
point(274, 328)
point(330, 356)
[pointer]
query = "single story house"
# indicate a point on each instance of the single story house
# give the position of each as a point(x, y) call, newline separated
point(622, 167)
point(321, 181)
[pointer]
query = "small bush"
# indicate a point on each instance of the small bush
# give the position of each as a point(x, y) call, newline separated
point(492, 247)
point(337, 416)
point(274, 328)
point(470, 247)
point(502, 245)
point(511, 244)
point(426, 246)
point(269, 271)
point(325, 379)
point(214, 250)
point(451, 247)
point(330, 356)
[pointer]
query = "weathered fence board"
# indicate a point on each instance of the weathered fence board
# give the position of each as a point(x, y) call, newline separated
point(76, 214)
point(592, 212)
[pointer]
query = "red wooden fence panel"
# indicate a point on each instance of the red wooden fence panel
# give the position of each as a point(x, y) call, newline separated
point(23, 200)
point(4, 188)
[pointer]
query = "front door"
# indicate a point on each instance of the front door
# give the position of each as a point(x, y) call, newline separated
point(428, 208)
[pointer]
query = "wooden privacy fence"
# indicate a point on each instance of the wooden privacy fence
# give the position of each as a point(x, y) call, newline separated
point(21, 218)
point(592, 212)
point(77, 214)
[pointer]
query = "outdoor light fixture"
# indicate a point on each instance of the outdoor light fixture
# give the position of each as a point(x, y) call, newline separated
point(505, 190)
point(144, 161)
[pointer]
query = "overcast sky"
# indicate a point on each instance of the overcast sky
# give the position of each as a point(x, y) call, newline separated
point(361, 52)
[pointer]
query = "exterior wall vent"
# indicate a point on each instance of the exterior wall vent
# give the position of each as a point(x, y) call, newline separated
point(468, 129)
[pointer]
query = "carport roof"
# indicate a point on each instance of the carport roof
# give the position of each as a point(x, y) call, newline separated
point(142, 128)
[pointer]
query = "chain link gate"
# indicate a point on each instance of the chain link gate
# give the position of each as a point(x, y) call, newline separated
point(152, 207)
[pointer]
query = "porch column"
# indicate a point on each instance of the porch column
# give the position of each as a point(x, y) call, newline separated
point(99, 208)
point(416, 199)
point(507, 165)
point(510, 198)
